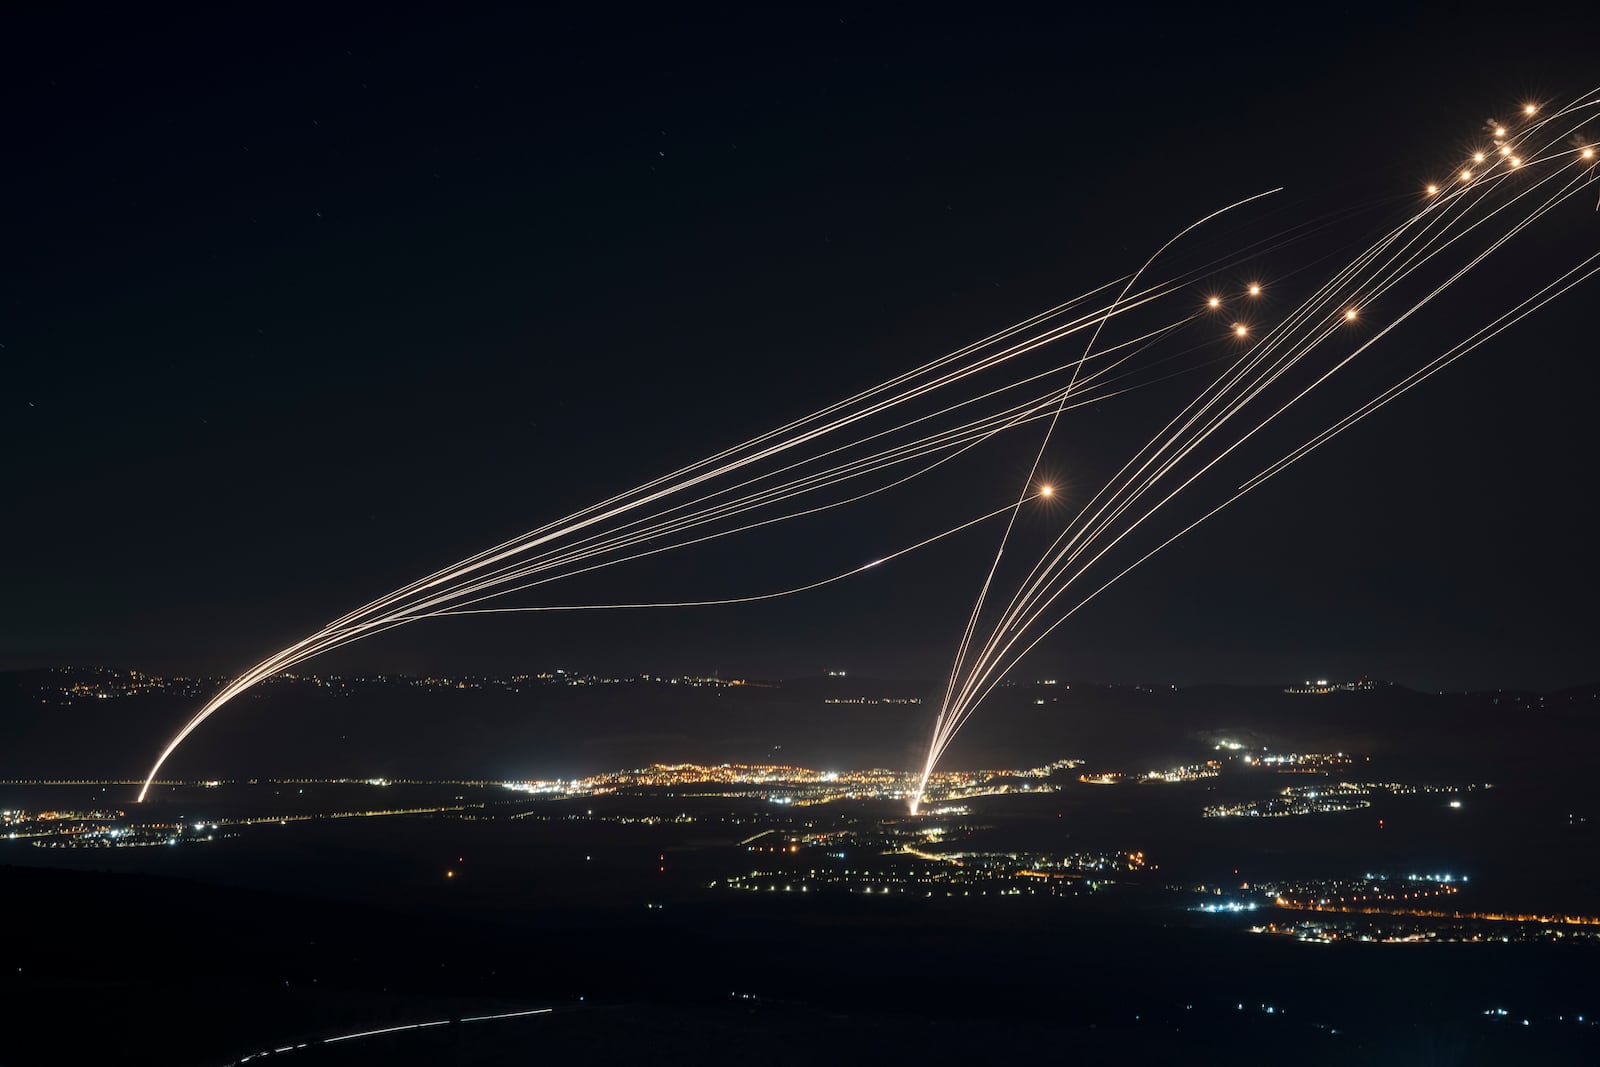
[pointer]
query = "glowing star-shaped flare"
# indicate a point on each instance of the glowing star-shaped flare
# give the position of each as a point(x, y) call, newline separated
point(1433, 190)
point(1350, 315)
point(1214, 302)
point(1477, 157)
point(1528, 109)
point(1588, 153)
point(1504, 151)
point(1515, 162)
point(1046, 490)
point(1466, 175)
point(1239, 329)
point(1255, 290)
point(1499, 131)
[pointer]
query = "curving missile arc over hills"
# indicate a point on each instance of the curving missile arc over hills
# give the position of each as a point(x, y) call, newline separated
point(899, 436)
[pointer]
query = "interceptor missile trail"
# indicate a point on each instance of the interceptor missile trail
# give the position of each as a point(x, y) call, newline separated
point(854, 442)
point(983, 592)
point(904, 434)
point(857, 440)
point(1448, 237)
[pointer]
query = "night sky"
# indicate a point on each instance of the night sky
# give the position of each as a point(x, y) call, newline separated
point(296, 310)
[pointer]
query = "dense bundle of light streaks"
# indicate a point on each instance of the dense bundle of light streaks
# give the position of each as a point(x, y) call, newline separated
point(1531, 169)
point(880, 439)
point(905, 434)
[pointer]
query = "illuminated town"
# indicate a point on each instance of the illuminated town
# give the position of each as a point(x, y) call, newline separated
point(802, 830)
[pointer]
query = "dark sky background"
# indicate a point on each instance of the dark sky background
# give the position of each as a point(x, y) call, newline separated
point(297, 309)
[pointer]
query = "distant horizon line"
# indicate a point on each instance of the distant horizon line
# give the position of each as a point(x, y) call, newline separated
point(551, 675)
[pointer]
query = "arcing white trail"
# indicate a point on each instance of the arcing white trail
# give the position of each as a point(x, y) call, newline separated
point(1494, 205)
point(867, 440)
point(905, 432)
point(1033, 471)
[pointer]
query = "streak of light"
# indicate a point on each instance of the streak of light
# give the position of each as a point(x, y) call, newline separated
point(903, 432)
point(1418, 242)
point(361, 1035)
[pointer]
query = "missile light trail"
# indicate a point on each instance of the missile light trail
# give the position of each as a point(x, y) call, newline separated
point(1243, 386)
point(1435, 246)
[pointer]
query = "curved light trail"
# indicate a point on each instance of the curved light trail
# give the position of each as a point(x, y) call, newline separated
point(362, 1035)
point(904, 433)
point(1451, 235)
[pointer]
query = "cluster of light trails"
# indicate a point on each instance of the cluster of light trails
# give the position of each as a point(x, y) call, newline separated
point(1538, 166)
point(899, 433)
point(838, 456)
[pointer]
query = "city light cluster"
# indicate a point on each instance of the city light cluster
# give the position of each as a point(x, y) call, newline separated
point(800, 786)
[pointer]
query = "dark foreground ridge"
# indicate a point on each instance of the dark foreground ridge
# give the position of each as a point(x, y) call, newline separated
point(720, 984)
point(1214, 875)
